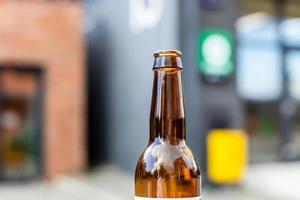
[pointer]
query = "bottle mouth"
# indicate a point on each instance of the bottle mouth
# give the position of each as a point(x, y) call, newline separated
point(167, 52)
point(167, 59)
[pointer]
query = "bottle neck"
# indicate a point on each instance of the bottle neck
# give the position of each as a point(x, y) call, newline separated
point(167, 118)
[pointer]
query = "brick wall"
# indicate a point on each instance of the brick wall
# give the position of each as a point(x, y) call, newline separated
point(48, 34)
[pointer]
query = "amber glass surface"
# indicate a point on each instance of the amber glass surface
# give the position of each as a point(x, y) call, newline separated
point(167, 168)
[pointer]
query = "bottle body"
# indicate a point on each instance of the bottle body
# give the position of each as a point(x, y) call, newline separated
point(167, 168)
point(167, 171)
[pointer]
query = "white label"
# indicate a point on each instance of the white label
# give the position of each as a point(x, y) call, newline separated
point(145, 198)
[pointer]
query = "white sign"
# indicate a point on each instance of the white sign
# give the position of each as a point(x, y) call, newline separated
point(144, 14)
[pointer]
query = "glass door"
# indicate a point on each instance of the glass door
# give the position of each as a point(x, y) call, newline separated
point(20, 123)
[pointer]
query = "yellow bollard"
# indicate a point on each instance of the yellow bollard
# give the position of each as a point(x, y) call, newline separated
point(227, 155)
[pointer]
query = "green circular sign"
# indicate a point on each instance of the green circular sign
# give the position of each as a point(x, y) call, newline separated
point(216, 53)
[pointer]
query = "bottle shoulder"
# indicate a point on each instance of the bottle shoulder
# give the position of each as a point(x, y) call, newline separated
point(161, 158)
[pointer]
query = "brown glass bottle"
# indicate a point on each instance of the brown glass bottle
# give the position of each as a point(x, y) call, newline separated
point(167, 168)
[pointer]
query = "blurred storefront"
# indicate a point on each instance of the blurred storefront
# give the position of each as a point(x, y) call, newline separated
point(42, 89)
point(267, 77)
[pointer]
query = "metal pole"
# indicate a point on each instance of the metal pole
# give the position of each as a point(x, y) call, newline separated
point(286, 108)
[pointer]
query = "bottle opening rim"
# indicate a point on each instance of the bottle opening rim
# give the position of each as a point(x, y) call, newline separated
point(167, 52)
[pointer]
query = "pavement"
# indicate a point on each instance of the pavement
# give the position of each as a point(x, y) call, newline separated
point(273, 181)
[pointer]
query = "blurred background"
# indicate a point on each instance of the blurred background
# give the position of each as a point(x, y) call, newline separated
point(76, 83)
